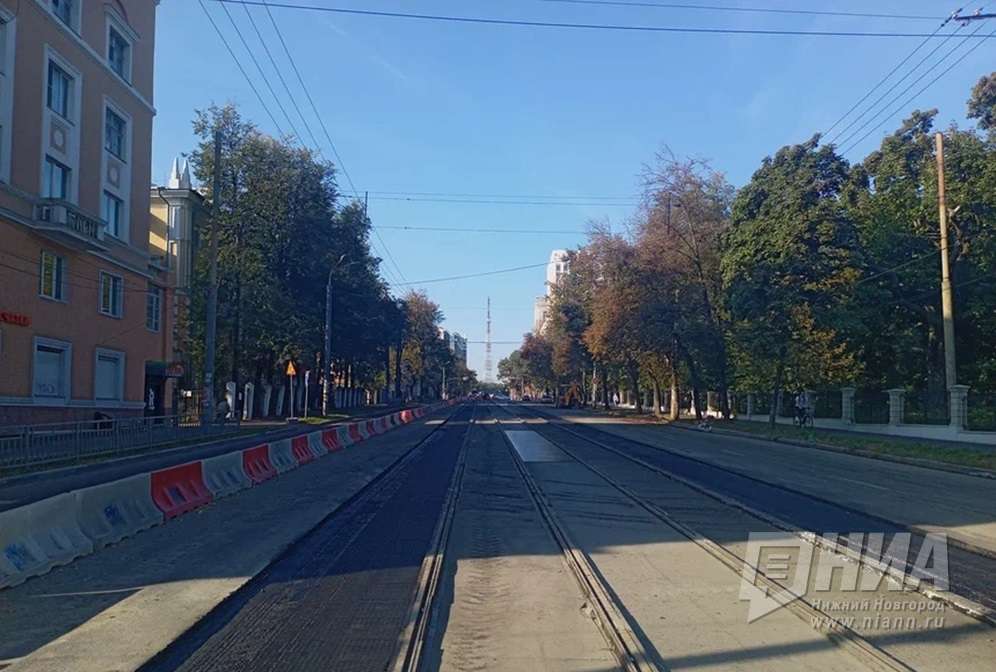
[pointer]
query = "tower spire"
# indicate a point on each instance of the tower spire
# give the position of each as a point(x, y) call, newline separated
point(487, 346)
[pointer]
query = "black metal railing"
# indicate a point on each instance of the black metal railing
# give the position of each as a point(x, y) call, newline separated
point(871, 407)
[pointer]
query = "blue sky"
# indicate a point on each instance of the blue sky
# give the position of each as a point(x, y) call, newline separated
point(437, 107)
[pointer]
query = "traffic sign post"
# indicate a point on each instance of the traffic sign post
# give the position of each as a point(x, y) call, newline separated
point(291, 374)
point(307, 378)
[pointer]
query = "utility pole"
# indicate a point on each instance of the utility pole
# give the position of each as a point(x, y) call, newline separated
point(947, 300)
point(212, 302)
point(327, 354)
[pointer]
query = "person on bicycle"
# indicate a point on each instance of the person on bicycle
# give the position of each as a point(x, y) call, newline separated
point(801, 408)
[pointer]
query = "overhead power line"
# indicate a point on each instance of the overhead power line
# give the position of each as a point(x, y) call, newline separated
point(266, 80)
point(899, 81)
point(476, 275)
point(755, 10)
point(577, 26)
point(457, 229)
point(886, 78)
point(280, 76)
point(328, 137)
point(579, 197)
point(909, 100)
point(428, 199)
point(238, 64)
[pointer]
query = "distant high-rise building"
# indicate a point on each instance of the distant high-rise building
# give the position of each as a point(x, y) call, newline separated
point(459, 348)
point(556, 269)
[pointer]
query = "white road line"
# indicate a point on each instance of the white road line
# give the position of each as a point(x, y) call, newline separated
point(870, 485)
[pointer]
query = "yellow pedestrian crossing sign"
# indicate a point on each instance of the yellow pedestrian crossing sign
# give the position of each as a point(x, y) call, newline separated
point(291, 371)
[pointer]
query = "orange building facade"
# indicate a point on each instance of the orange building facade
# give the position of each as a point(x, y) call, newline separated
point(84, 306)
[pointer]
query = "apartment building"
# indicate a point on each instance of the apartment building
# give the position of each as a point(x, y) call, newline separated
point(81, 300)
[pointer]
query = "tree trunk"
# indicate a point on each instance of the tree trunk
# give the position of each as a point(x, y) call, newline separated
point(776, 392)
point(675, 406)
point(657, 398)
point(634, 380)
point(397, 371)
point(604, 377)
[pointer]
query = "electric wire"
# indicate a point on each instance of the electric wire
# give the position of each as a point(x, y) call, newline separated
point(578, 26)
point(909, 100)
point(477, 275)
point(887, 76)
point(266, 80)
point(756, 10)
point(238, 64)
point(892, 88)
point(280, 76)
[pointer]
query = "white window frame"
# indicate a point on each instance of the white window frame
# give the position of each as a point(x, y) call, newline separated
point(122, 190)
point(71, 156)
point(157, 292)
point(119, 383)
point(75, 12)
point(68, 95)
point(8, 41)
point(105, 195)
point(67, 368)
point(110, 277)
point(67, 181)
point(122, 153)
point(127, 35)
point(59, 284)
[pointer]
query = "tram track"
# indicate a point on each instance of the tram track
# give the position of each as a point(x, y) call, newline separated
point(877, 652)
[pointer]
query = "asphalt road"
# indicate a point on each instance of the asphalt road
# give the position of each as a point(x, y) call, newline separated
point(339, 598)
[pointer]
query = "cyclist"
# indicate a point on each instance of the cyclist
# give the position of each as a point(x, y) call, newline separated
point(801, 409)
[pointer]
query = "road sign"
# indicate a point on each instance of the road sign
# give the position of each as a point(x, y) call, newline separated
point(291, 371)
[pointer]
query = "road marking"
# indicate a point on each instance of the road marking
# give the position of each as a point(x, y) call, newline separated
point(854, 480)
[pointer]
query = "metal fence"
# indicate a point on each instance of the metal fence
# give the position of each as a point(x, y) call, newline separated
point(68, 442)
point(828, 404)
point(871, 407)
point(922, 407)
point(981, 411)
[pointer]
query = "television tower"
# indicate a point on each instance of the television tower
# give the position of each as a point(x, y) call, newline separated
point(487, 346)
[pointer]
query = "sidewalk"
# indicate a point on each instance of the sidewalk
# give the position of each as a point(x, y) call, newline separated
point(24, 489)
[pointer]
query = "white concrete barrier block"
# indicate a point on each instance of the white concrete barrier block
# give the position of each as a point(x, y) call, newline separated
point(315, 444)
point(109, 512)
point(37, 537)
point(225, 474)
point(281, 456)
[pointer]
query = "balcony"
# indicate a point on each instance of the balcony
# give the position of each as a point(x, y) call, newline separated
point(69, 225)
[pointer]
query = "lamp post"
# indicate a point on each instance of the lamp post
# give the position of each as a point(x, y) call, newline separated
point(327, 355)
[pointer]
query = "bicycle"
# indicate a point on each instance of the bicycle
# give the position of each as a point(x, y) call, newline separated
point(803, 418)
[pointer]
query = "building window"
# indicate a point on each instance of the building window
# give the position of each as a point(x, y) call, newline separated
point(51, 369)
point(64, 10)
point(153, 307)
point(114, 134)
point(52, 276)
point(56, 180)
point(111, 294)
point(112, 211)
point(118, 53)
point(108, 376)
point(60, 89)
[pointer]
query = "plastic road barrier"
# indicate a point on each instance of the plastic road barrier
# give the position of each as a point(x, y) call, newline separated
point(225, 474)
point(110, 512)
point(256, 463)
point(178, 490)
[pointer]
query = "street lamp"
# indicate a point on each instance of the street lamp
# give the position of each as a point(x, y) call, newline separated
point(327, 361)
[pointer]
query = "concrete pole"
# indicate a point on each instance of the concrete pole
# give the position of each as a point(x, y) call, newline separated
point(327, 355)
point(212, 302)
point(947, 300)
